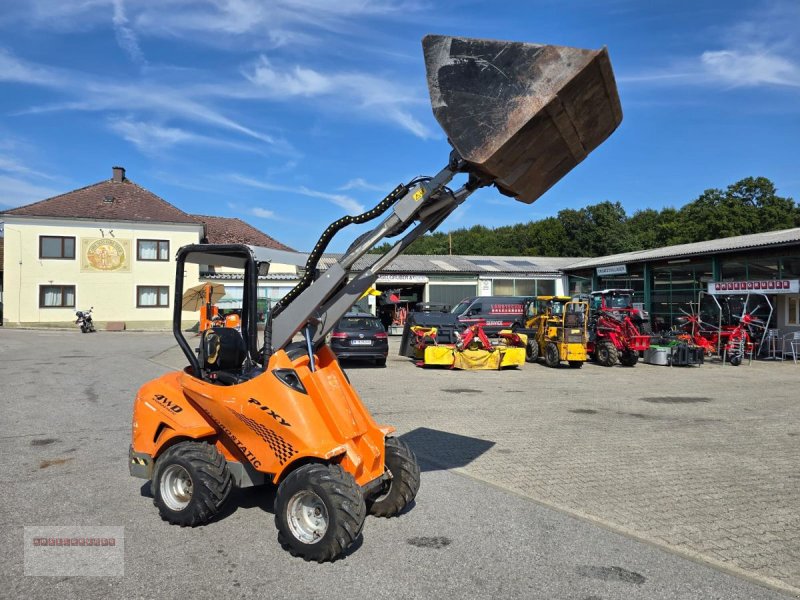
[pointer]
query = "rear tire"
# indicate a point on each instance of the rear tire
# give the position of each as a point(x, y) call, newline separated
point(190, 484)
point(575, 364)
point(404, 485)
point(532, 351)
point(551, 355)
point(735, 360)
point(629, 358)
point(319, 512)
point(606, 354)
point(380, 362)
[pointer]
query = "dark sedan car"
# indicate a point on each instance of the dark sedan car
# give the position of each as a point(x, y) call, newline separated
point(360, 335)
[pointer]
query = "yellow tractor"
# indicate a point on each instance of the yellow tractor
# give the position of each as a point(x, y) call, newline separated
point(556, 330)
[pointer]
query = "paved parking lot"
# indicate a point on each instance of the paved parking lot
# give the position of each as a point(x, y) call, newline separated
point(698, 463)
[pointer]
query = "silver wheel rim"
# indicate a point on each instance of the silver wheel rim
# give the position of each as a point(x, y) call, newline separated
point(307, 517)
point(176, 487)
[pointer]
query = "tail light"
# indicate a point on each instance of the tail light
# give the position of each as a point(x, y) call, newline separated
point(339, 335)
point(381, 336)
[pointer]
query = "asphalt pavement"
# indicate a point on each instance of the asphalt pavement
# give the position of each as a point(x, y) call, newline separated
point(66, 409)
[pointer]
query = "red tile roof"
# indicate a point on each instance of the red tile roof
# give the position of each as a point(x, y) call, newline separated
point(230, 230)
point(108, 201)
point(120, 199)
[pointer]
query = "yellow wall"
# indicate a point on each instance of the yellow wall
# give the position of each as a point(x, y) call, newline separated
point(112, 294)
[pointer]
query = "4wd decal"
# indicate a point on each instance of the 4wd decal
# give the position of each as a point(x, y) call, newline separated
point(269, 411)
point(167, 403)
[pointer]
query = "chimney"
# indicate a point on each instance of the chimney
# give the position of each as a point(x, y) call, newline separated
point(117, 174)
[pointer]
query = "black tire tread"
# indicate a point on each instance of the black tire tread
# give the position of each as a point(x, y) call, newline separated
point(532, 350)
point(575, 364)
point(551, 355)
point(405, 480)
point(612, 354)
point(212, 482)
point(346, 511)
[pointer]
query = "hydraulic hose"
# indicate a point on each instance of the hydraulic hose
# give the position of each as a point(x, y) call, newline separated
point(316, 254)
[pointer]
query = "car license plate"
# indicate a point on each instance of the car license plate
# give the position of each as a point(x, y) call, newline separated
point(361, 342)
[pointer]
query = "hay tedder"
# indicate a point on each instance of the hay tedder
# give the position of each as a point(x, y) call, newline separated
point(280, 411)
point(726, 325)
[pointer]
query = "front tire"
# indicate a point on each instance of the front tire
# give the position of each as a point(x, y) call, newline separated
point(404, 485)
point(190, 484)
point(606, 354)
point(551, 355)
point(319, 512)
point(575, 364)
point(532, 351)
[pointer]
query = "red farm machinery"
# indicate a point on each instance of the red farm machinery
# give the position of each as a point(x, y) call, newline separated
point(616, 328)
point(728, 326)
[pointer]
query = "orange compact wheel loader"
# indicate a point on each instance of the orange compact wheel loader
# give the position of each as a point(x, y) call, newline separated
point(281, 412)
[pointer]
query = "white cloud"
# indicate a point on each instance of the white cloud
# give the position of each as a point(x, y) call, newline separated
point(15, 191)
point(356, 93)
point(249, 23)
point(351, 205)
point(299, 81)
point(255, 211)
point(262, 213)
point(126, 38)
point(761, 49)
point(15, 70)
point(360, 183)
point(753, 67)
point(13, 165)
point(95, 94)
point(151, 137)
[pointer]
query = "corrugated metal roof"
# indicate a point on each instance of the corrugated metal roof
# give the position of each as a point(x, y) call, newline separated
point(730, 244)
point(470, 265)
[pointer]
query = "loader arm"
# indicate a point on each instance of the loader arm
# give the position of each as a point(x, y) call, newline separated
point(321, 303)
point(518, 116)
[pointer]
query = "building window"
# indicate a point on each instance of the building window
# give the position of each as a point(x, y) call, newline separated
point(451, 295)
point(56, 296)
point(54, 246)
point(152, 296)
point(152, 249)
point(522, 287)
point(793, 310)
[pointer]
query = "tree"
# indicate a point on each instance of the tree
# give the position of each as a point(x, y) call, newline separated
point(750, 205)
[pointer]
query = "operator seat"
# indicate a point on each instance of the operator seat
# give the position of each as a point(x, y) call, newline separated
point(222, 354)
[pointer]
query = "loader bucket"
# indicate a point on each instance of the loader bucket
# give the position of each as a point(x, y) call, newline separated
point(521, 115)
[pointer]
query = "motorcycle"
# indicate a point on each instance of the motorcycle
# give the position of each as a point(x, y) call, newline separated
point(84, 320)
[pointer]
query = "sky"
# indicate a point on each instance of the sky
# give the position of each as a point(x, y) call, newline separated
point(291, 113)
